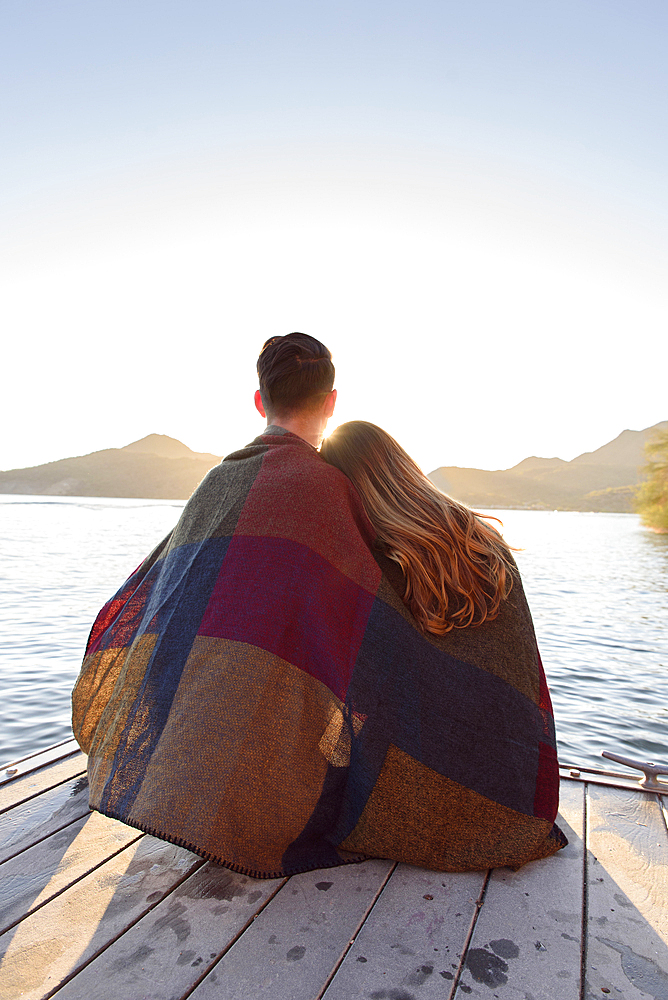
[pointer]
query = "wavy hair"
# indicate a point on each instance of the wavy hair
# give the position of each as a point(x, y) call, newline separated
point(457, 566)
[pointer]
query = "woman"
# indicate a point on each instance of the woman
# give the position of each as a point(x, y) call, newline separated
point(457, 569)
point(458, 721)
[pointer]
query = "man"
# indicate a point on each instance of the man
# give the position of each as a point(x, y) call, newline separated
point(296, 386)
point(257, 692)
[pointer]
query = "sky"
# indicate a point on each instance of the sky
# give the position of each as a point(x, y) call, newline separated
point(466, 202)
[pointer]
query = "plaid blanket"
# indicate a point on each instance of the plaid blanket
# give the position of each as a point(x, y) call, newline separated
point(258, 692)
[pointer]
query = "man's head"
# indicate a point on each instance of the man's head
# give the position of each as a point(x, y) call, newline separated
point(296, 375)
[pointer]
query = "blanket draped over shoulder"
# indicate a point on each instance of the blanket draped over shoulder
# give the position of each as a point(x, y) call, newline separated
point(258, 692)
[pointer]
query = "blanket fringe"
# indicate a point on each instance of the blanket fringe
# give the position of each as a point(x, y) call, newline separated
point(216, 859)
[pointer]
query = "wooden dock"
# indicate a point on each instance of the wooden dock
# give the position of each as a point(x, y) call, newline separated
point(92, 909)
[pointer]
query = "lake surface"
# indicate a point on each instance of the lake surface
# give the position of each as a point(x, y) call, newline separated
point(597, 585)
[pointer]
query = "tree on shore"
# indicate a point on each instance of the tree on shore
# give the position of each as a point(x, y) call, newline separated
point(651, 500)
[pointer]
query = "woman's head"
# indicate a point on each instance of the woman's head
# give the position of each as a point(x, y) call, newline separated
point(456, 565)
point(372, 459)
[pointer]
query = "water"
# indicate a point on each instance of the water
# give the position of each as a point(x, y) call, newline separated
point(597, 585)
point(61, 559)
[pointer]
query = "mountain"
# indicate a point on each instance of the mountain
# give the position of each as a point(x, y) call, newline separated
point(601, 480)
point(156, 466)
point(163, 468)
point(167, 447)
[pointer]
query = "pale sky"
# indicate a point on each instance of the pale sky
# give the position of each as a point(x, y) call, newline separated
point(465, 201)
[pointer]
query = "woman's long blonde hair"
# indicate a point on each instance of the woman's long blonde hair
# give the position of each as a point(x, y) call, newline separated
point(457, 567)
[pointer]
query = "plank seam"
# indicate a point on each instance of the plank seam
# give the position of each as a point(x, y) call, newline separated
point(474, 920)
point(46, 836)
point(351, 942)
point(40, 753)
point(120, 934)
point(234, 940)
point(35, 767)
point(584, 927)
point(663, 805)
point(42, 791)
point(73, 882)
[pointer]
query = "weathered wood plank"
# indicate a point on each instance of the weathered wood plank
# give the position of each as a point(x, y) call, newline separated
point(167, 942)
point(527, 939)
point(612, 779)
point(42, 815)
point(58, 939)
point(30, 879)
point(298, 939)
point(167, 951)
point(411, 943)
point(35, 761)
point(627, 885)
point(21, 789)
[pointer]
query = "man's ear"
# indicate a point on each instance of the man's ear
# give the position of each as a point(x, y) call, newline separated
point(258, 404)
point(330, 403)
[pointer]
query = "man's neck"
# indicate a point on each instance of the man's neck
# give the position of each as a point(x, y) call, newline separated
point(309, 429)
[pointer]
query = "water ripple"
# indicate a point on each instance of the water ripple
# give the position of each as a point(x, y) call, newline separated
point(597, 585)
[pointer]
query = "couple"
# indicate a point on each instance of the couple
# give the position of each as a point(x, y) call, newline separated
point(326, 660)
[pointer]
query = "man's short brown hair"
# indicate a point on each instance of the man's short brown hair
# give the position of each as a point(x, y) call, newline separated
point(294, 371)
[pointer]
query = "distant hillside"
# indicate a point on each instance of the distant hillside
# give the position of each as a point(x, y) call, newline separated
point(166, 447)
point(601, 480)
point(157, 466)
point(162, 467)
